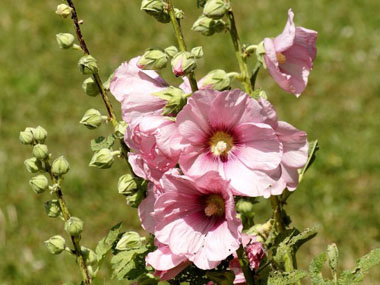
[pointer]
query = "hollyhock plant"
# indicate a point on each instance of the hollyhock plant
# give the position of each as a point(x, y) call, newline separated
point(289, 57)
point(197, 218)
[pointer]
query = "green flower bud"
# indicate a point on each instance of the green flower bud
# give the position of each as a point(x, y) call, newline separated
point(215, 9)
point(40, 151)
point(179, 14)
point(135, 199)
point(26, 136)
point(260, 52)
point(90, 87)
point(152, 7)
point(245, 207)
point(120, 129)
point(53, 209)
point(63, 10)
point(74, 226)
point(87, 65)
point(154, 59)
point(217, 79)
point(60, 166)
point(197, 52)
point(183, 63)
point(90, 256)
point(92, 119)
point(39, 184)
point(127, 184)
point(65, 40)
point(175, 97)
point(56, 244)
point(33, 165)
point(39, 134)
point(128, 241)
point(103, 158)
point(171, 51)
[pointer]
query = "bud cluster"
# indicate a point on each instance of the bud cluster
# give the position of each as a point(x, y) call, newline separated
point(211, 21)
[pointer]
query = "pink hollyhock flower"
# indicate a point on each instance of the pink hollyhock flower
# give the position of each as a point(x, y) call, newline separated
point(156, 146)
point(226, 132)
point(290, 56)
point(133, 87)
point(197, 218)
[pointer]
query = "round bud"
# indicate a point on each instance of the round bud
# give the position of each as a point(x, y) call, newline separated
point(90, 87)
point(92, 119)
point(33, 165)
point(40, 134)
point(65, 40)
point(87, 65)
point(39, 184)
point(64, 10)
point(120, 129)
point(215, 9)
point(60, 166)
point(103, 158)
point(53, 209)
point(127, 184)
point(183, 63)
point(74, 226)
point(135, 199)
point(171, 51)
point(175, 97)
point(129, 240)
point(217, 79)
point(40, 151)
point(26, 136)
point(153, 59)
point(56, 244)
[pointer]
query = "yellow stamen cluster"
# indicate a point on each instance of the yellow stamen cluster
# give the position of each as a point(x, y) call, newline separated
point(221, 143)
point(281, 58)
point(214, 206)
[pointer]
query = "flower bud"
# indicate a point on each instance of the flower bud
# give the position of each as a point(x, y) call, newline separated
point(33, 165)
point(217, 79)
point(56, 244)
point(128, 241)
point(245, 207)
point(90, 87)
point(39, 134)
point(39, 184)
point(74, 226)
point(207, 26)
point(183, 63)
point(103, 158)
point(156, 8)
point(197, 52)
point(53, 209)
point(171, 51)
point(64, 10)
point(26, 136)
point(60, 166)
point(179, 14)
point(153, 59)
point(92, 119)
point(120, 129)
point(87, 65)
point(215, 9)
point(135, 199)
point(127, 184)
point(65, 40)
point(40, 151)
point(175, 97)
point(89, 255)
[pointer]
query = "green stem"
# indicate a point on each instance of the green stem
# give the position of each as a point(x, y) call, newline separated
point(248, 275)
point(276, 208)
point(181, 41)
point(239, 53)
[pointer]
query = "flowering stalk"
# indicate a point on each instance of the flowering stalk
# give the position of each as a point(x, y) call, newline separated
point(181, 41)
point(277, 215)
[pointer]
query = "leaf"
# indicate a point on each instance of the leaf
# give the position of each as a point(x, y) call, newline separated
point(129, 264)
point(333, 255)
point(315, 269)
point(105, 245)
point(313, 148)
point(102, 142)
point(283, 278)
point(221, 277)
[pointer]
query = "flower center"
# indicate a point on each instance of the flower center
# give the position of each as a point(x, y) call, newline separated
point(281, 58)
point(214, 206)
point(221, 143)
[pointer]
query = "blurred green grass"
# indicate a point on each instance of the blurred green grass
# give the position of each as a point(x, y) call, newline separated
point(41, 86)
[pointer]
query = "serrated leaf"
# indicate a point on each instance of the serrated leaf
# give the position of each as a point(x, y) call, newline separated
point(313, 148)
point(102, 142)
point(221, 277)
point(129, 264)
point(105, 245)
point(333, 255)
point(283, 278)
point(315, 269)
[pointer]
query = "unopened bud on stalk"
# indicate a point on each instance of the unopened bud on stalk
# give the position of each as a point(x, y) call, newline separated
point(179, 14)
point(156, 8)
point(207, 26)
point(129, 240)
point(183, 63)
point(215, 9)
point(74, 226)
point(53, 209)
point(171, 51)
point(154, 59)
point(92, 119)
point(33, 165)
point(40, 151)
point(87, 65)
point(135, 199)
point(60, 166)
point(197, 52)
point(56, 244)
point(127, 184)
point(245, 207)
point(89, 255)
point(39, 134)
point(120, 129)
point(90, 87)
point(64, 10)
point(39, 184)
point(175, 97)
point(26, 136)
point(103, 158)
point(217, 79)
point(65, 40)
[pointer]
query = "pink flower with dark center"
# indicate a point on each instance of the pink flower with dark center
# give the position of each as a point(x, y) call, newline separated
point(290, 56)
point(197, 218)
point(226, 132)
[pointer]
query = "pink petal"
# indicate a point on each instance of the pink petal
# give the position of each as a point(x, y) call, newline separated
point(163, 259)
point(146, 208)
point(307, 39)
point(286, 38)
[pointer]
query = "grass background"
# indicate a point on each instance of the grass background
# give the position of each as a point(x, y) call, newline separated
point(40, 85)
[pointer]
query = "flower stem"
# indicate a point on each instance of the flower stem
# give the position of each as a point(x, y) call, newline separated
point(277, 213)
point(239, 53)
point(248, 275)
point(181, 41)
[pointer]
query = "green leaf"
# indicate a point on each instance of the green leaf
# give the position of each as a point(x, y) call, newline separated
point(105, 245)
point(129, 264)
point(102, 142)
point(315, 269)
point(221, 277)
point(283, 278)
point(313, 148)
point(333, 255)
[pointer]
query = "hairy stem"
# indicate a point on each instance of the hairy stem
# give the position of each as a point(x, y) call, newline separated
point(277, 213)
point(239, 54)
point(181, 41)
point(248, 275)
